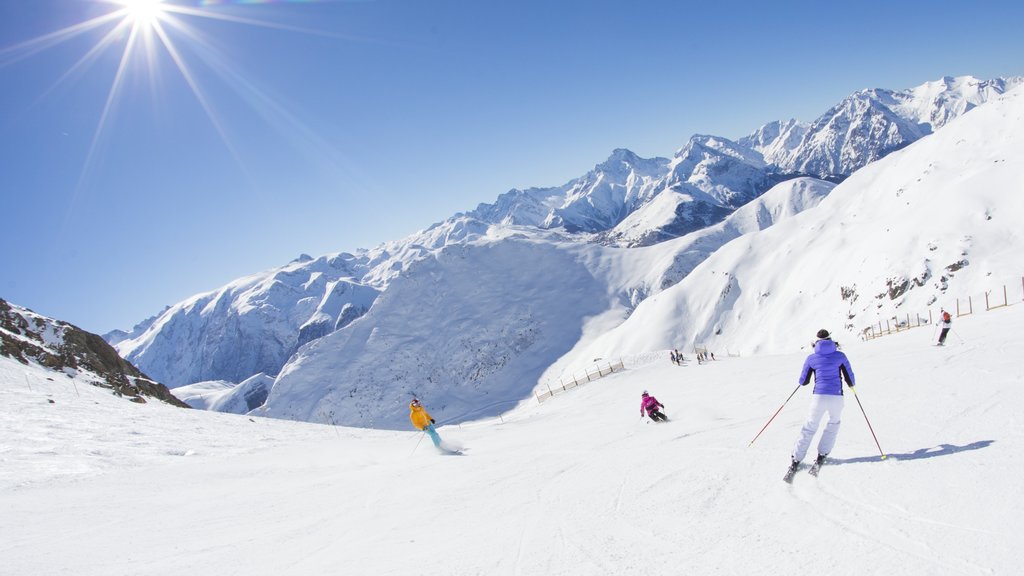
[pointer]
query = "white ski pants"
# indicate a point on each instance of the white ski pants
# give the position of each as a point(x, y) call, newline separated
point(821, 404)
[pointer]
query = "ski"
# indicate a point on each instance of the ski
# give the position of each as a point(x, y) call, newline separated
point(816, 467)
point(790, 472)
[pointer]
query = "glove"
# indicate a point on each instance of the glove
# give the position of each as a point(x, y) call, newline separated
point(431, 420)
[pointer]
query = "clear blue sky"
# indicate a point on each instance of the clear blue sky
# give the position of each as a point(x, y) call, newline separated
point(319, 127)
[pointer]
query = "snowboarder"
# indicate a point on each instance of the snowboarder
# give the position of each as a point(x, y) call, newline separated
point(946, 323)
point(422, 420)
point(829, 367)
point(653, 408)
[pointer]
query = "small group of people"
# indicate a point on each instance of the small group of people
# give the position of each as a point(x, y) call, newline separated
point(676, 357)
point(702, 356)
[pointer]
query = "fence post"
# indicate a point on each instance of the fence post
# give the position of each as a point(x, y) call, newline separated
point(1005, 301)
point(986, 302)
point(970, 304)
point(888, 330)
point(957, 307)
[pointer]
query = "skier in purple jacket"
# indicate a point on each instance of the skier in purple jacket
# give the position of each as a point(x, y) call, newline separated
point(830, 368)
point(653, 408)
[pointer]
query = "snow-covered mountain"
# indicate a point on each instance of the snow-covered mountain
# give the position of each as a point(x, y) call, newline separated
point(870, 124)
point(903, 236)
point(253, 324)
point(705, 181)
point(67, 351)
point(478, 309)
point(475, 326)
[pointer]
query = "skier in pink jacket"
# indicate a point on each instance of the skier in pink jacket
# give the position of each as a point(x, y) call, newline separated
point(653, 408)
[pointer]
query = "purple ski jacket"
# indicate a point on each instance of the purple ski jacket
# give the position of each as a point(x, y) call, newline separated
point(829, 366)
point(648, 403)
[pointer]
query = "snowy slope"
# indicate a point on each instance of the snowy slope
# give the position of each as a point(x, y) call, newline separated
point(901, 236)
point(94, 486)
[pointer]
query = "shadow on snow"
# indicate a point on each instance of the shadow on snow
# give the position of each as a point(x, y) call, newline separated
point(932, 452)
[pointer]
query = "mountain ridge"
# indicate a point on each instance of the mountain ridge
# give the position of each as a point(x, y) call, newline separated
point(289, 298)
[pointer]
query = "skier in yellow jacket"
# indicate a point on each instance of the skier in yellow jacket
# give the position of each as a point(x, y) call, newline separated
point(422, 420)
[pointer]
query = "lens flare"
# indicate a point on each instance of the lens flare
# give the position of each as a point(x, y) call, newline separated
point(148, 32)
point(143, 12)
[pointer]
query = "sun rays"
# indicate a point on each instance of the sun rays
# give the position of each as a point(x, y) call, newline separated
point(139, 35)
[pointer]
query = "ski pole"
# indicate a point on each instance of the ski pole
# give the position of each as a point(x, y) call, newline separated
point(868, 421)
point(417, 444)
point(774, 415)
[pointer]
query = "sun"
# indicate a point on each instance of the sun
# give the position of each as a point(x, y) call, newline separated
point(143, 12)
point(148, 32)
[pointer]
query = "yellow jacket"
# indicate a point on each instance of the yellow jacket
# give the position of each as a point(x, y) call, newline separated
point(419, 417)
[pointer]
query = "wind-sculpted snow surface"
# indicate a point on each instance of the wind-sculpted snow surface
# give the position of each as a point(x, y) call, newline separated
point(474, 324)
point(905, 235)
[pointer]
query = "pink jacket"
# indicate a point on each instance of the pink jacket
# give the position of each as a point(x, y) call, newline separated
point(649, 403)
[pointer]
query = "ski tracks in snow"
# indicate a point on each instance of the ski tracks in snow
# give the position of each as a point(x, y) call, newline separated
point(896, 535)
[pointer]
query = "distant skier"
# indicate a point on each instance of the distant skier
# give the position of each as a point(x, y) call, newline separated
point(422, 420)
point(946, 323)
point(829, 367)
point(652, 407)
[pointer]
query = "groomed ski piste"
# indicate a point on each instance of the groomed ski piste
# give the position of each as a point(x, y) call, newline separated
point(93, 485)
